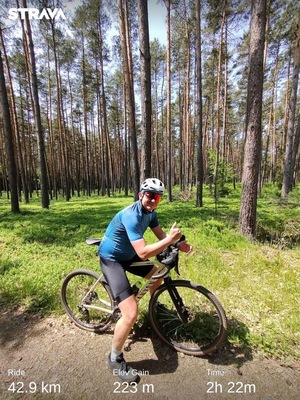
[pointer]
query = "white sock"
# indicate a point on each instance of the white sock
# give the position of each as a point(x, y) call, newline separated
point(114, 354)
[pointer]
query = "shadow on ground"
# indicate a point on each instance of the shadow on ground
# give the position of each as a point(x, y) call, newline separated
point(167, 359)
point(16, 325)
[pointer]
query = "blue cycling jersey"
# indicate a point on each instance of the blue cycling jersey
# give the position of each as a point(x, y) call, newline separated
point(127, 226)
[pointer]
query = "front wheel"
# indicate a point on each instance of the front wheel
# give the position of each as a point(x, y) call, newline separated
point(87, 300)
point(188, 317)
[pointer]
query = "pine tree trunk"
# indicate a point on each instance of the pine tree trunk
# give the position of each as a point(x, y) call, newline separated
point(145, 67)
point(169, 131)
point(20, 156)
point(129, 91)
point(252, 149)
point(218, 103)
point(199, 195)
point(289, 159)
point(36, 106)
point(9, 145)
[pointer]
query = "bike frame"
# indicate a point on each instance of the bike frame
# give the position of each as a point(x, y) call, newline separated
point(162, 271)
point(88, 306)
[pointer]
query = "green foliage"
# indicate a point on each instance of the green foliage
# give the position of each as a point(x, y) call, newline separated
point(258, 283)
point(224, 176)
point(278, 222)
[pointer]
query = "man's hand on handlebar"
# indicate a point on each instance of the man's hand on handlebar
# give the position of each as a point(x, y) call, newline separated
point(185, 247)
point(181, 244)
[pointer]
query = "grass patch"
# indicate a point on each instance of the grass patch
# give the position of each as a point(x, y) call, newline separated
point(258, 283)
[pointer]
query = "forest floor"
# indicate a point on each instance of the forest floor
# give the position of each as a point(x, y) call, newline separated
point(50, 358)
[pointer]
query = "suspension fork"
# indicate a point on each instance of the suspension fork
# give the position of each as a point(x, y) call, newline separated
point(177, 300)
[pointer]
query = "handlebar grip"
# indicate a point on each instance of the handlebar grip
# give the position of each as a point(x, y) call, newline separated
point(171, 258)
point(180, 240)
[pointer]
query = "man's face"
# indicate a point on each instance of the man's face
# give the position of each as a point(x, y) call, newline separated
point(150, 200)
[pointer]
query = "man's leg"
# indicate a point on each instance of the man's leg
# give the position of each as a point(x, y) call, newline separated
point(120, 287)
point(129, 310)
point(116, 362)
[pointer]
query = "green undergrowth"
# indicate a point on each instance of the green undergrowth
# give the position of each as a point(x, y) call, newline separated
point(257, 283)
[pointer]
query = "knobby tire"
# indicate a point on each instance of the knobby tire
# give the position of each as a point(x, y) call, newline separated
point(202, 324)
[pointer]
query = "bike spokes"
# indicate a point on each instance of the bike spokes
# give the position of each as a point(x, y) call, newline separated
point(188, 320)
point(87, 300)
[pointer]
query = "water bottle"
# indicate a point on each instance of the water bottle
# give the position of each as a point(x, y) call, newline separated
point(136, 287)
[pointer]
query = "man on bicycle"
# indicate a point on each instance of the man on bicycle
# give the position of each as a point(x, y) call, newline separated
point(123, 244)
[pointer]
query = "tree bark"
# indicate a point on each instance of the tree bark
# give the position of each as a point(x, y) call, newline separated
point(145, 67)
point(9, 145)
point(289, 158)
point(199, 195)
point(252, 151)
point(169, 130)
point(129, 92)
point(37, 113)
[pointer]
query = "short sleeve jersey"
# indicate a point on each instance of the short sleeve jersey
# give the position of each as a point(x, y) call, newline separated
point(128, 225)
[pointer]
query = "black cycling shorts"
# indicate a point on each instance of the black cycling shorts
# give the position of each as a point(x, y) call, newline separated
point(115, 275)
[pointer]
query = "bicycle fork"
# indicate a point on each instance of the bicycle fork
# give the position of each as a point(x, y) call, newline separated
point(177, 300)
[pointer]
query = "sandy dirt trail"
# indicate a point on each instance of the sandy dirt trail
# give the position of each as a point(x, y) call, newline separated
point(49, 358)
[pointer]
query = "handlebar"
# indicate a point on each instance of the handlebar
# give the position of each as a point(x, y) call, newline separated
point(169, 257)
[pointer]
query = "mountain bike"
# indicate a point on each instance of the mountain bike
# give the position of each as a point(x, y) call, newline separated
point(183, 314)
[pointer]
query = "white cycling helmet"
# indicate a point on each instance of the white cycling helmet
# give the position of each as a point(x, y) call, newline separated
point(153, 185)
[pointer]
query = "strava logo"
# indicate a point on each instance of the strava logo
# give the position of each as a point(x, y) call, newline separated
point(34, 13)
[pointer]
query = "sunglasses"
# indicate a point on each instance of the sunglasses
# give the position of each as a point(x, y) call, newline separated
point(153, 196)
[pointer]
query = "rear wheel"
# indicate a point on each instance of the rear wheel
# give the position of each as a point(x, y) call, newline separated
point(188, 317)
point(87, 300)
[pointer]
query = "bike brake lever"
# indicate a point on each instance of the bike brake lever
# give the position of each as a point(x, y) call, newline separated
point(171, 258)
